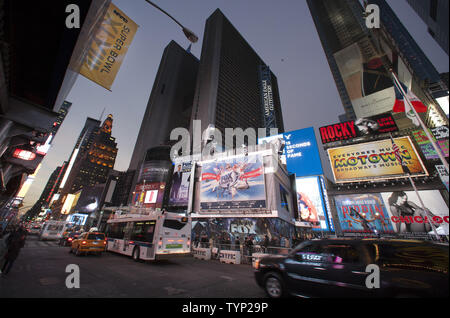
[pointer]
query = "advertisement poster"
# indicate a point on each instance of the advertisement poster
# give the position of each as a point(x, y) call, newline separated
point(360, 127)
point(149, 195)
point(109, 47)
point(440, 137)
point(90, 198)
point(408, 216)
point(368, 84)
point(311, 207)
point(179, 192)
point(299, 150)
point(443, 174)
point(374, 160)
point(154, 171)
point(363, 213)
point(233, 183)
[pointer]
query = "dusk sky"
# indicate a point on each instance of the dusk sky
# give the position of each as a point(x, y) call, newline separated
point(281, 32)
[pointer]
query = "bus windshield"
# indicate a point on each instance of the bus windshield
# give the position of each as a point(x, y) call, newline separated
point(174, 224)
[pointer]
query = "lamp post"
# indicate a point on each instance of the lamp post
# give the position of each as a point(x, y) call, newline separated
point(188, 33)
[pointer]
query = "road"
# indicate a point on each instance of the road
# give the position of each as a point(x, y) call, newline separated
point(40, 272)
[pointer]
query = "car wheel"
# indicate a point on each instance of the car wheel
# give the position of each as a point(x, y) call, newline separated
point(274, 286)
point(136, 254)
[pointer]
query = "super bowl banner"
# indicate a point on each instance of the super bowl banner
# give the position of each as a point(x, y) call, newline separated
point(233, 183)
point(358, 128)
point(363, 213)
point(109, 47)
point(374, 160)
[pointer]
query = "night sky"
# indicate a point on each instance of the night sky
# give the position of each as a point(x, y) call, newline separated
point(281, 32)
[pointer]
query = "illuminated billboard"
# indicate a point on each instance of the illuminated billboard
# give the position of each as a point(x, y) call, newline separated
point(69, 203)
point(440, 136)
point(90, 197)
point(233, 183)
point(179, 191)
point(360, 127)
point(149, 195)
point(300, 152)
point(311, 206)
point(374, 160)
point(408, 216)
point(363, 213)
point(369, 85)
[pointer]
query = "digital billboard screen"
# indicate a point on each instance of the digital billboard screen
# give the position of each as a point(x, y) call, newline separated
point(311, 207)
point(233, 183)
point(440, 136)
point(300, 152)
point(179, 191)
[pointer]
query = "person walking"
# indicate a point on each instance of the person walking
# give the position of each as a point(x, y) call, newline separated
point(16, 242)
point(265, 243)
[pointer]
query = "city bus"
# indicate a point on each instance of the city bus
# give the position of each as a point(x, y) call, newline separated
point(153, 236)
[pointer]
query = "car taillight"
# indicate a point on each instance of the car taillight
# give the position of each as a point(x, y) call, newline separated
point(104, 242)
point(84, 242)
point(160, 244)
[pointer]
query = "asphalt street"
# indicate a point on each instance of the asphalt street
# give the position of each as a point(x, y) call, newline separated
point(40, 272)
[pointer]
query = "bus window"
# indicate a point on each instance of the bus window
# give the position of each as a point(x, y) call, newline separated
point(116, 230)
point(143, 231)
point(174, 224)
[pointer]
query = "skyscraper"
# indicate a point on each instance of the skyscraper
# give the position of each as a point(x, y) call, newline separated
point(235, 88)
point(169, 106)
point(170, 102)
point(359, 57)
point(435, 15)
point(91, 161)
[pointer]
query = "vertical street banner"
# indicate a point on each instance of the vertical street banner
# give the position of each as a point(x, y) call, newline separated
point(179, 192)
point(109, 47)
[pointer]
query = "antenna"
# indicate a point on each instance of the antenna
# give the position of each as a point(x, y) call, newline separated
point(100, 119)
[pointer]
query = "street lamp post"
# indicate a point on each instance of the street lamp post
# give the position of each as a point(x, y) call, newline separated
point(188, 33)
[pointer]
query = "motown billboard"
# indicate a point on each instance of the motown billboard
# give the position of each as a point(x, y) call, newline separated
point(374, 160)
point(233, 183)
point(360, 127)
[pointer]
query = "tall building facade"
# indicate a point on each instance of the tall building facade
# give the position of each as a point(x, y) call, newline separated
point(169, 107)
point(435, 15)
point(170, 102)
point(91, 161)
point(230, 92)
point(359, 57)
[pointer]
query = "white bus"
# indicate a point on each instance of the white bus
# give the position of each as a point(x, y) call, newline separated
point(158, 235)
point(53, 230)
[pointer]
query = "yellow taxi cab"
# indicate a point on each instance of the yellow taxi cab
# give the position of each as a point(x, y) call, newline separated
point(89, 242)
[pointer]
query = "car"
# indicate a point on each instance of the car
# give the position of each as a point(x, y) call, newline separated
point(68, 237)
point(339, 268)
point(89, 242)
point(35, 229)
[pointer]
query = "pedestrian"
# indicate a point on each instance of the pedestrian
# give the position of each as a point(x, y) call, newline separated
point(249, 245)
point(16, 242)
point(265, 243)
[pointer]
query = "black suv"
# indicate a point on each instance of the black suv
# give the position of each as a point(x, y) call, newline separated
point(339, 268)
